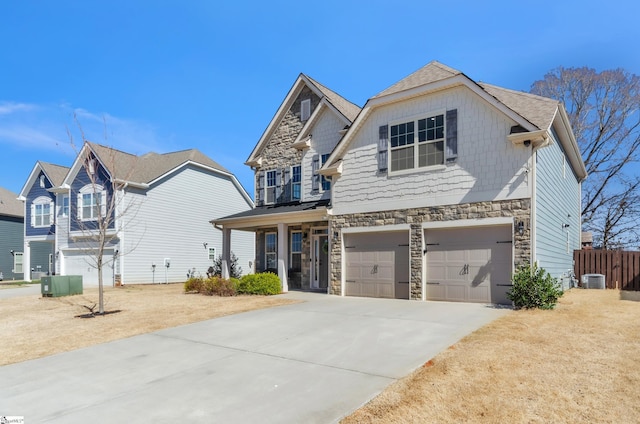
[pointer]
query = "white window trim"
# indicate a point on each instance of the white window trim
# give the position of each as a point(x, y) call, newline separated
point(62, 206)
point(299, 183)
point(17, 262)
point(297, 252)
point(322, 177)
point(94, 190)
point(266, 253)
point(305, 106)
point(267, 186)
point(41, 201)
point(416, 159)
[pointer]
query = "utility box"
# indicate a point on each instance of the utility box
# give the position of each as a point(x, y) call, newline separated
point(61, 285)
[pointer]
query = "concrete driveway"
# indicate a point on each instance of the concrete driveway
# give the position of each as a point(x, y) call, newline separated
point(312, 362)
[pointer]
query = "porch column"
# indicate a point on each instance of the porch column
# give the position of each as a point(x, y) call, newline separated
point(283, 255)
point(26, 261)
point(226, 252)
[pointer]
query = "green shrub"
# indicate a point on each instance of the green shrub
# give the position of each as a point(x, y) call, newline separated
point(265, 283)
point(219, 287)
point(194, 284)
point(533, 287)
point(235, 270)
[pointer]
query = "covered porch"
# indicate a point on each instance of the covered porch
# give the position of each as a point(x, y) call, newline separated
point(291, 241)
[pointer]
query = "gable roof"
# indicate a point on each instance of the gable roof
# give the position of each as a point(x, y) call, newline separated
point(432, 72)
point(9, 204)
point(55, 173)
point(347, 109)
point(533, 113)
point(151, 166)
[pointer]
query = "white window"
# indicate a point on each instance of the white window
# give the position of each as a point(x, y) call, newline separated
point(42, 212)
point(417, 143)
point(92, 202)
point(271, 251)
point(212, 253)
point(305, 109)
point(270, 188)
point(17, 263)
point(296, 182)
point(324, 182)
point(64, 210)
point(296, 251)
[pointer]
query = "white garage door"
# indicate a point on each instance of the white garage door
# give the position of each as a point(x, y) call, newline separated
point(377, 265)
point(469, 265)
point(77, 263)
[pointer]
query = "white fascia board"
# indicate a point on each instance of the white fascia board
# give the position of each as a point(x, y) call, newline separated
point(539, 138)
point(27, 185)
point(282, 110)
point(335, 169)
point(273, 219)
point(569, 143)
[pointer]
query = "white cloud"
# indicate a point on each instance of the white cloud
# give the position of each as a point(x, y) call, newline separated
point(7, 108)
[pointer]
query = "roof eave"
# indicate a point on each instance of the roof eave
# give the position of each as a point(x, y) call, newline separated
point(252, 222)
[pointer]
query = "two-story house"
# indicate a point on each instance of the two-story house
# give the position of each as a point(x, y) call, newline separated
point(291, 219)
point(439, 188)
point(145, 217)
point(11, 235)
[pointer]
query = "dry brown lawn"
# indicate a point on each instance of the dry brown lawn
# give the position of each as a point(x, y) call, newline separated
point(33, 326)
point(579, 363)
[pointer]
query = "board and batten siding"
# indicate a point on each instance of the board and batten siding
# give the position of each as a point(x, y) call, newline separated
point(488, 166)
point(557, 203)
point(12, 238)
point(171, 220)
point(325, 136)
point(34, 192)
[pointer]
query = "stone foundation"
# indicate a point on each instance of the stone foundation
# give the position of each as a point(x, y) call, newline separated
point(519, 210)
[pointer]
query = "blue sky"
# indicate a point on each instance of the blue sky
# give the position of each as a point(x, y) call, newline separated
point(162, 76)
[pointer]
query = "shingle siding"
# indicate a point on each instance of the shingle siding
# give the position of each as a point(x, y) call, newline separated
point(487, 168)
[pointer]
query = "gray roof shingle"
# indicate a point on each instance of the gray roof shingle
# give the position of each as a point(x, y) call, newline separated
point(538, 110)
point(146, 168)
point(56, 173)
point(431, 72)
point(347, 108)
point(9, 204)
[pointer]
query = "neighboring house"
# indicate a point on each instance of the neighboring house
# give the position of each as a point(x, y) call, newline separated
point(11, 235)
point(439, 188)
point(154, 210)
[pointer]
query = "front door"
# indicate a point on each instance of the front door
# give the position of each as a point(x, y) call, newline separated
point(319, 261)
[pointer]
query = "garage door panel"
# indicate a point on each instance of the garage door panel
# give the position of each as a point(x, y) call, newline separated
point(469, 263)
point(374, 262)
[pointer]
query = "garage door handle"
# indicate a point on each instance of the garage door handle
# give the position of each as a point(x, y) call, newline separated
point(434, 284)
point(505, 285)
point(350, 281)
point(403, 282)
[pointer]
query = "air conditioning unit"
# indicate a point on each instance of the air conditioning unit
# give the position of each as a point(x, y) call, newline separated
point(593, 281)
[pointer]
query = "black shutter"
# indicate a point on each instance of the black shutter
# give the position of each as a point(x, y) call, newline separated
point(452, 135)
point(259, 189)
point(315, 177)
point(287, 185)
point(278, 197)
point(383, 141)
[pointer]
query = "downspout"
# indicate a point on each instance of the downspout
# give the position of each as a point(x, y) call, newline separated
point(532, 226)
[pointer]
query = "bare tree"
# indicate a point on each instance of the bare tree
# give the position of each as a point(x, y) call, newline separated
point(604, 110)
point(99, 205)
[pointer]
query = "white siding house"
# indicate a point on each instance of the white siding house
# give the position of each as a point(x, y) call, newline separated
point(156, 208)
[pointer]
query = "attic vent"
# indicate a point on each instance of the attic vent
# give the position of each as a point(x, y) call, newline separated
point(305, 109)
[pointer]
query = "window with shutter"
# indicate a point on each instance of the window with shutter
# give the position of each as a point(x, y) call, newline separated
point(325, 183)
point(383, 142)
point(315, 177)
point(92, 202)
point(419, 143)
point(286, 196)
point(270, 187)
point(296, 182)
point(260, 190)
point(42, 210)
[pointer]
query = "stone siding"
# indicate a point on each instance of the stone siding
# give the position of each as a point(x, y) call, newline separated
point(519, 210)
